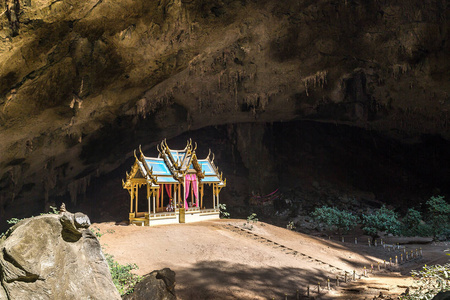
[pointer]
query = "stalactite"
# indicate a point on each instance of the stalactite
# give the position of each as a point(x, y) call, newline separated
point(78, 187)
point(318, 79)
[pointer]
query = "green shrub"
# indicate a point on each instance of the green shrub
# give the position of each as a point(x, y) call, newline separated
point(223, 211)
point(412, 222)
point(252, 218)
point(439, 211)
point(383, 219)
point(121, 275)
point(429, 281)
point(334, 218)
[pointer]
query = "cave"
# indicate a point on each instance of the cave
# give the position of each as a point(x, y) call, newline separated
point(343, 104)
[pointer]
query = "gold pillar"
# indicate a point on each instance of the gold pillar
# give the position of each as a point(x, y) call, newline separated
point(148, 197)
point(131, 197)
point(201, 196)
point(137, 197)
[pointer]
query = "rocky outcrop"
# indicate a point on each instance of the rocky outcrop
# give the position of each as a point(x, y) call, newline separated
point(54, 257)
point(158, 285)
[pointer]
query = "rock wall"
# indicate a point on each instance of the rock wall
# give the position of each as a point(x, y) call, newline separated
point(54, 257)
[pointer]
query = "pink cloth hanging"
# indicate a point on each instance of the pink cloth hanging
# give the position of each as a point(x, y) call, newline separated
point(195, 188)
point(186, 190)
point(187, 180)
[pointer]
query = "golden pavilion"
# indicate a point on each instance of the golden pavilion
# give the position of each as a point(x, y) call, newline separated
point(170, 188)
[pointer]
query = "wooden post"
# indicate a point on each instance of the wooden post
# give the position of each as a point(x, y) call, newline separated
point(365, 271)
point(345, 277)
point(307, 291)
point(328, 283)
point(396, 260)
point(318, 288)
point(179, 195)
point(218, 191)
point(214, 196)
point(354, 275)
point(137, 198)
point(297, 295)
point(153, 198)
point(390, 261)
point(148, 198)
point(131, 197)
point(162, 198)
point(201, 196)
point(337, 280)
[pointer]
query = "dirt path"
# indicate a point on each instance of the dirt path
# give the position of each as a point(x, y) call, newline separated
point(219, 260)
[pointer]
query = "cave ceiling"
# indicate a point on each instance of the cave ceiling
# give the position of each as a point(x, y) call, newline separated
point(83, 83)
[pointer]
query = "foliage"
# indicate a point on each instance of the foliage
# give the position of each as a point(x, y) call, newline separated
point(54, 211)
point(290, 225)
point(13, 221)
point(121, 275)
point(413, 224)
point(252, 218)
point(96, 231)
point(383, 219)
point(439, 211)
point(223, 211)
point(430, 281)
point(331, 216)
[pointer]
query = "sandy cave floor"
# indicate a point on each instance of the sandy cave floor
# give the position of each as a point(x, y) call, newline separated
point(214, 260)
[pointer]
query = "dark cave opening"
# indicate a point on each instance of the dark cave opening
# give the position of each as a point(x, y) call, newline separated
point(312, 162)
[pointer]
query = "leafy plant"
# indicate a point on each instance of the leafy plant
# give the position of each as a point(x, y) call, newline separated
point(413, 224)
point(439, 211)
point(96, 231)
point(121, 275)
point(54, 211)
point(252, 218)
point(383, 219)
point(290, 225)
point(429, 281)
point(335, 218)
point(223, 211)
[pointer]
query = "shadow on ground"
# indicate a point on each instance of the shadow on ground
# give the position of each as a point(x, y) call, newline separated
point(225, 280)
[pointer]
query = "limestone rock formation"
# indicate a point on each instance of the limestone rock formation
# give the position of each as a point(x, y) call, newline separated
point(158, 285)
point(50, 257)
point(83, 83)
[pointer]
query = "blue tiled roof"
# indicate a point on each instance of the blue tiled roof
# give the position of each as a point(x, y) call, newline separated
point(206, 167)
point(165, 179)
point(158, 165)
point(211, 179)
point(177, 155)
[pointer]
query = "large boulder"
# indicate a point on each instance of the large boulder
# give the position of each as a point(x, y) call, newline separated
point(158, 285)
point(54, 257)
